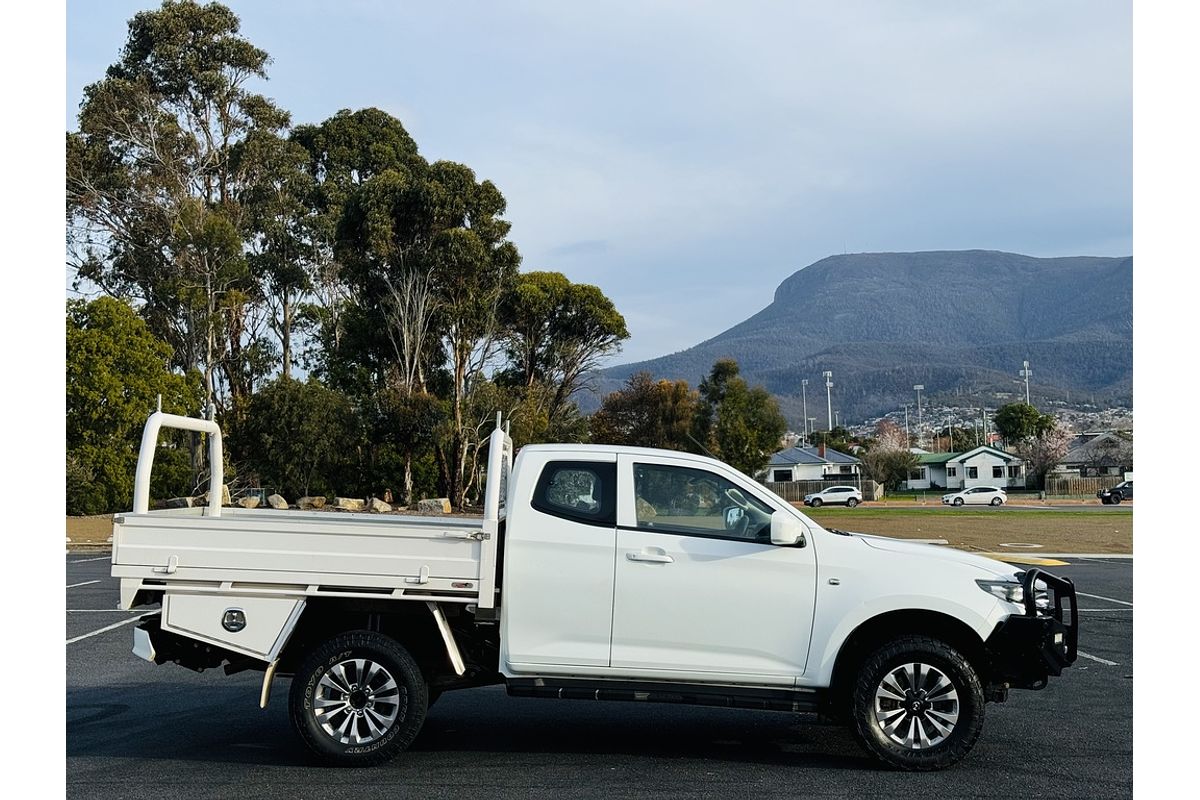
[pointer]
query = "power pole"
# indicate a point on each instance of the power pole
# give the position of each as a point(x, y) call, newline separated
point(907, 440)
point(1025, 373)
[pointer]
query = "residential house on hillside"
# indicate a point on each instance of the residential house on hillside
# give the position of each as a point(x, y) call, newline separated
point(1097, 453)
point(983, 466)
point(811, 464)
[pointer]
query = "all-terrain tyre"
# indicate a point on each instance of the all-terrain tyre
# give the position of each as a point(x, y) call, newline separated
point(358, 699)
point(917, 704)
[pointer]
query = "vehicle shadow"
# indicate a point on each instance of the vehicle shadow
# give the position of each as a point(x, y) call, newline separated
point(189, 722)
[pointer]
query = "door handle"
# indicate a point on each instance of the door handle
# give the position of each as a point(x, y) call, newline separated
point(653, 558)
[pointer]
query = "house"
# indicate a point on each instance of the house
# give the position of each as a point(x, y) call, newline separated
point(1097, 453)
point(983, 466)
point(819, 463)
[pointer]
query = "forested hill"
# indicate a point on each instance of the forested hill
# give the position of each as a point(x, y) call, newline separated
point(960, 322)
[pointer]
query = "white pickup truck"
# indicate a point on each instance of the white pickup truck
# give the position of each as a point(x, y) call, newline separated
point(596, 572)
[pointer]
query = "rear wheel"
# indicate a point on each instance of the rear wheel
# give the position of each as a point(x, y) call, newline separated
point(917, 704)
point(359, 699)
point(996, 501)
point(852, 502)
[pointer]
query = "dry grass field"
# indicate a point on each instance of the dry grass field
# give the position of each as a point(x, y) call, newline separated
point(988, 530)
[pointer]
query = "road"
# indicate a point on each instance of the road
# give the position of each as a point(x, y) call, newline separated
point(166, 732)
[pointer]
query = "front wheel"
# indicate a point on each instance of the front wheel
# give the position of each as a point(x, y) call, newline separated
point(816, 502)
point(917, 704)
point(359, 699)
point(958, 501)
point(1116, 498)
point(852, 502)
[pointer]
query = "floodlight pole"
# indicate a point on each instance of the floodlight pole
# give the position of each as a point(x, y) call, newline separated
point(1026, 373)
point(804, 399)
point(829, 396)
point(919, 387)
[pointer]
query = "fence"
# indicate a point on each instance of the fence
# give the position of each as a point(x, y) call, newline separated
point(794, 491)
point(1080, 486)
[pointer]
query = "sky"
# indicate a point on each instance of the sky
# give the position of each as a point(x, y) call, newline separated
point(687, 157)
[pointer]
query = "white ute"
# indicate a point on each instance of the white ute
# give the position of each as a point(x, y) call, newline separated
point(596, 572)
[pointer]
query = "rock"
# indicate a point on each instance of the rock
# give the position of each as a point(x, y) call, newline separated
point(434, 505)
point(349, 503)
point(178, 502)
point(307, 502)
point(277, 501)
point(250, 501)
point(202, 500)
point(380, 506)
point(644, 509)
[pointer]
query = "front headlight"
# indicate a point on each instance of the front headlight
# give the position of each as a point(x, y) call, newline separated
point(1005, 590)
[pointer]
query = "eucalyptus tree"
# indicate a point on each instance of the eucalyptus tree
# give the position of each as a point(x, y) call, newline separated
point(556, 334)
point(155, 187)
point(420, 255)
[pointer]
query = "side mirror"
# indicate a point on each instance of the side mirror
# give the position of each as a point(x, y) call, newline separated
point(786, 530)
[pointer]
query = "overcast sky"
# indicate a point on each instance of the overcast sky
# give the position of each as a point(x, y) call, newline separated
point(687, 157)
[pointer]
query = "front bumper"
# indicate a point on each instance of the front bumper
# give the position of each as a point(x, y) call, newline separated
point(1025, 650)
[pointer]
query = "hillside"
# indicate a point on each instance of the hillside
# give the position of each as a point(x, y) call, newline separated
point(959, 322)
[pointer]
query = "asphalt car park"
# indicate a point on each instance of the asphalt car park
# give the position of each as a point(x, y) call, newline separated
point(137, 729)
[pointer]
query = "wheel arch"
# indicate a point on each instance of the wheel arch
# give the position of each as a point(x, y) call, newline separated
point(408, 623)
point(873, 632)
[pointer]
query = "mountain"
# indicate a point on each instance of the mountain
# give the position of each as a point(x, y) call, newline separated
point(959, 322)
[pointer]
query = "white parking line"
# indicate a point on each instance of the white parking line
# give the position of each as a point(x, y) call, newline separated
point(131, 611)
point(1108, 610)
point(117, 625)
point(77, 585)
point(1098, 658)
point(85, 560)
point(1102, 597)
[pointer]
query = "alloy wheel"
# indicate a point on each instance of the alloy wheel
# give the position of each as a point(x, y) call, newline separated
point(357, 701)
point(916, 706)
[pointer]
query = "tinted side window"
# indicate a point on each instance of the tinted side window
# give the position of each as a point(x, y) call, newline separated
point(698, 503)
point(581, 491)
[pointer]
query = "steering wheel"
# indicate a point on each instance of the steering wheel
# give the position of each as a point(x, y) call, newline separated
point(736, 497)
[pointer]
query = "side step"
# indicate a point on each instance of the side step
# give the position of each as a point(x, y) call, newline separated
point(763, 699)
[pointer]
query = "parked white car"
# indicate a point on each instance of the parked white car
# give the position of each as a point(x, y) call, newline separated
point(978, 496)
point(834, 495)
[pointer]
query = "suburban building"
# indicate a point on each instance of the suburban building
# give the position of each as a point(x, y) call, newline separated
point(1096, 454)
point(983, 466)
point(811, 464)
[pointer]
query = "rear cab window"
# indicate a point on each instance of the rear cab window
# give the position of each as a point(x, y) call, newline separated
point(580, 491)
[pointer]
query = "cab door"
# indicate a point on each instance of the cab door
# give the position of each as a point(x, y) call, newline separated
point(558, 573)
point(700, 592)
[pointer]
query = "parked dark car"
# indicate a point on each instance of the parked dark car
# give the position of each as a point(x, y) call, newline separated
point(1113, 496)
